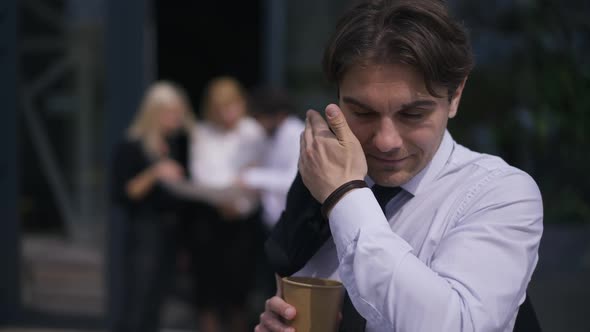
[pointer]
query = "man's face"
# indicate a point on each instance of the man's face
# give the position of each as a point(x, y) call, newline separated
point(398, 123)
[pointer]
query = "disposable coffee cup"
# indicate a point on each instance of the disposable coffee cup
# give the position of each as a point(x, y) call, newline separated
point(317, 301)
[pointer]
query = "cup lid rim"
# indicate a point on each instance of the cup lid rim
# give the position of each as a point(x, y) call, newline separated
point(335, 283)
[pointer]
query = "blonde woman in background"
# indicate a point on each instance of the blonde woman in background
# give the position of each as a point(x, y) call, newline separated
point(222, 146)
point(154, 152)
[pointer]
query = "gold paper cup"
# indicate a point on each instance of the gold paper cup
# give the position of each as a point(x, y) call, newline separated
point(317, 301)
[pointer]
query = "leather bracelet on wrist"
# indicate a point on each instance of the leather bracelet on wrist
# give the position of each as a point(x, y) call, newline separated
point(337, 194)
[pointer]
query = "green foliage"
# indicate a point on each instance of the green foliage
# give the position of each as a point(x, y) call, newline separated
point(529, 97)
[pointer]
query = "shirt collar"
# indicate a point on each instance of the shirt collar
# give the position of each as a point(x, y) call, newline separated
point(432, 169)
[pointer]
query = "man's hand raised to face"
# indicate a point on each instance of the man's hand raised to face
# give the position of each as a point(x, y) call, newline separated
point(328, 159)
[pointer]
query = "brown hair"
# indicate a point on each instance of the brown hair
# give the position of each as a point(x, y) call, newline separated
point(269, 100)
point(221, 91)
point(419, 33)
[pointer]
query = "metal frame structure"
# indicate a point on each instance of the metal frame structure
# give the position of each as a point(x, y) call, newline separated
point(76, 206)
point(129, 58)
point(9, 239)
point(126, 58)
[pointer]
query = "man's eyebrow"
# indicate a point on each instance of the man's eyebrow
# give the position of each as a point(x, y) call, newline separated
point(410, 105)
point(350, 100)
point(418, 103)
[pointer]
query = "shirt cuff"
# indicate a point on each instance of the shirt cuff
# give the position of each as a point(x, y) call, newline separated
point(357, 209)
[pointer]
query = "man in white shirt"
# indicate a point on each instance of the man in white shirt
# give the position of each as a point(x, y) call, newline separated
point(455, 248)
point(273, 175)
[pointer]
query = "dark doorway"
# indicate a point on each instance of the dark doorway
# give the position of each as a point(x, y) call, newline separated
point(198, 40)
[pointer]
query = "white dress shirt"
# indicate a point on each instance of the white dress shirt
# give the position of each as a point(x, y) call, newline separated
point(454, 252)
point(278, 169)
point(216, 156)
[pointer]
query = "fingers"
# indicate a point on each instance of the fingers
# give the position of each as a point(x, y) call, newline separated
point(308, 133)
point(317, 123)
point(306, 141)
point(260, 328)
point(271, 322)
point(301, 150)
point(315, 127)
point(275, 309)
point(280, 307)
point(337, 122)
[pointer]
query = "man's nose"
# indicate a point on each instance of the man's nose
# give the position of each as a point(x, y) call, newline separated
point(387, 135)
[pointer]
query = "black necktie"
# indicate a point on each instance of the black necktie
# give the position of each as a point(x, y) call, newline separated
point(384, 194)
point(352, 321)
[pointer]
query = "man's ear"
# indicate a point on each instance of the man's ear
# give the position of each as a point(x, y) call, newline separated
point(456, 98)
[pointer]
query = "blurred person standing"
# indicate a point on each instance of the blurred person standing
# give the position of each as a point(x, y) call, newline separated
point(221, 147)
point(154, 152)
point(273, 176)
